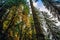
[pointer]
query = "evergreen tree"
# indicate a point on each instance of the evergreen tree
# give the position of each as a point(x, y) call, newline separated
point(52, 27)
point(52, 6)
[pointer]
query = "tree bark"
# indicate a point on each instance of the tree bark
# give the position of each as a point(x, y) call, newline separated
point(39, 32)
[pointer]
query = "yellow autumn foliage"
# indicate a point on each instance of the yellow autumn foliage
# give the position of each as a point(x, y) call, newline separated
point(5, 25)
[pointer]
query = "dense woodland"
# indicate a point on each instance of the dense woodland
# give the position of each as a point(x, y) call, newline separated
point(20, 20)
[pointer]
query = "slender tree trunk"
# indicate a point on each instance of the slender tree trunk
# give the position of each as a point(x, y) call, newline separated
point(39, 32)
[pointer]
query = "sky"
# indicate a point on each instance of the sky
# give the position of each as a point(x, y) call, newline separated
point(41, 7)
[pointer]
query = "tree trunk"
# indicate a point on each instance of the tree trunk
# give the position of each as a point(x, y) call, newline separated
point(39, 32)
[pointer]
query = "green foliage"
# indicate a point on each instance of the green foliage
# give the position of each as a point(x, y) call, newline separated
point(18, 25)
point(51, 5)
point(53, 28)
point(10, 3)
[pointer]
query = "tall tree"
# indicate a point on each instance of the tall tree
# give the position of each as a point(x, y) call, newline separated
point(8, 17)
point(52, 6)
point(39, 31)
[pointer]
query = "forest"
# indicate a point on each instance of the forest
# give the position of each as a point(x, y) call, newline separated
point(29, 19)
